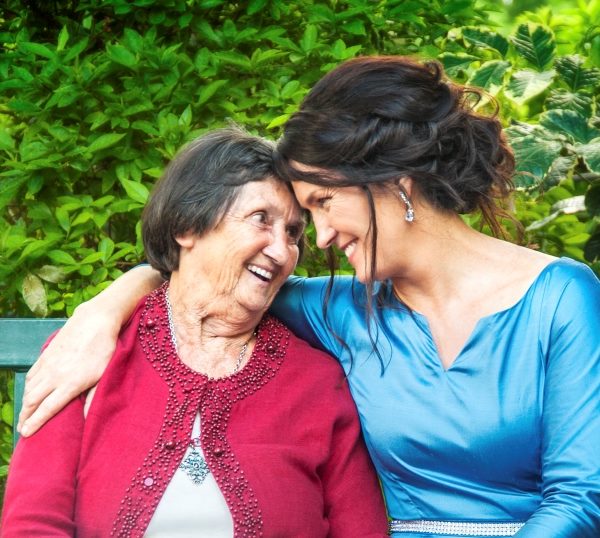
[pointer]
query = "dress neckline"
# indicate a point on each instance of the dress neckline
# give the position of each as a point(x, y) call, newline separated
point(423, 322)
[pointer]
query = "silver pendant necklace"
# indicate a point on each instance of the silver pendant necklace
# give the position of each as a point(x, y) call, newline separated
point(194, 465)
point(240, 358)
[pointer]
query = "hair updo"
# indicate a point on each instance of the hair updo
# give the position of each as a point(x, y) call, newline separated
point(373, 120)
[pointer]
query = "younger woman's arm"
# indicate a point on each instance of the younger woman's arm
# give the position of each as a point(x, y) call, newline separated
point(77, 356)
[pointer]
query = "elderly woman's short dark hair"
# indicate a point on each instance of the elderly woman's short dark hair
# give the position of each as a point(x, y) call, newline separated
point(197, 189)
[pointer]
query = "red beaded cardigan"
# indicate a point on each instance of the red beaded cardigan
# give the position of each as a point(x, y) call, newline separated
point(281, 438)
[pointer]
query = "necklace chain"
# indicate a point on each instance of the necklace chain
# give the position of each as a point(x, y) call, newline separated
point(240, 358)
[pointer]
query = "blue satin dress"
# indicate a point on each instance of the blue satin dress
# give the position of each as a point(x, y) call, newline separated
point(509, 433)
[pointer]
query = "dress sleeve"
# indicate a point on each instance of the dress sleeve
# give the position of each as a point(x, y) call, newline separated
point(40, 490)
point(353, 498)
point(571, 416)
point(299, 304)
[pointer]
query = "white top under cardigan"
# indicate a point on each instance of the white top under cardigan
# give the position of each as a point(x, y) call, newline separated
point(188, 510)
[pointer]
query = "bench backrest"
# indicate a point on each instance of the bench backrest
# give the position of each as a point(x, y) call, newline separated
point(20, 343)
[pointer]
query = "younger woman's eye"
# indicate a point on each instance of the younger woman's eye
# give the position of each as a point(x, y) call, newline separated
point(322, 202)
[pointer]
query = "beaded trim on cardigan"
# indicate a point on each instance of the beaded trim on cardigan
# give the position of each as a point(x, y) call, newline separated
point(188, 392)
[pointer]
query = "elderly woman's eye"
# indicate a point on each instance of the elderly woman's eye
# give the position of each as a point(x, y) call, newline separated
point(260, 217)
point(294, 233)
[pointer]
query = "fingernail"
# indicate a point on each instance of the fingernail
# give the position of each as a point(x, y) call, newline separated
point(24, 431)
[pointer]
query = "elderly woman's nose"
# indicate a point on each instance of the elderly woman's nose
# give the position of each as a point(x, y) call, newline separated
point(278, 247)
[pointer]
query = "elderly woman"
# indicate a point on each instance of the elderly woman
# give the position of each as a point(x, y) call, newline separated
point(212, 419)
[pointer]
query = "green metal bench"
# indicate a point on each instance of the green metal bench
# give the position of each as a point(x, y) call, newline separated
point(20, 343)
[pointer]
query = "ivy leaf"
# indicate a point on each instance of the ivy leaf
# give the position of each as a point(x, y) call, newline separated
point(569, 123)
point(455, 63)
point(566, 100)
point(490, 75)
point(526, 84)
point(592, 199)
point(104, 141)
point(536, 44)
point(486, 39)
point(571, 70)
point(34, 294)
point(534, 155)
point(591, 251)
point(559, 170)
point(591, 154)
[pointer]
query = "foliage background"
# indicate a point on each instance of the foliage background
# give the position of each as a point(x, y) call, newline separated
point(97, 95)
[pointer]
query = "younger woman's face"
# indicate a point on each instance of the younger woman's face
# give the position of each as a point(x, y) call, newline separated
point(342, 217)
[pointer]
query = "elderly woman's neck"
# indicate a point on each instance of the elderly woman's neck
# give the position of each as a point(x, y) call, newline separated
point(202, 312)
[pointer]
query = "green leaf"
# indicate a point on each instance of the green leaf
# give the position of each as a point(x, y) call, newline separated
point(37, 49)
point(490, 75)
point(9, 186)
point(571, 70)
point(591, 154)
point(279, 120)
point(234, 58)
point(106, 247)
point(206, 92)
point(536, 44)
point(309, 38)
point(8, 413)
point(61, 257)
point(355, 27)
point(254, 6)
point(63, 38)
point(34, 294)
point(136, 191)
point(484, 38)
point(121, 55)
point(526, 84)
point(569, 123)
point(592, 200)
point(104, 141)
point(6, 141)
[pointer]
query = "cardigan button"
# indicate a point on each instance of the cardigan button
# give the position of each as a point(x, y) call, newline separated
point(150, 323)
point(169, 445)
point(218, 451)
point(148, 481)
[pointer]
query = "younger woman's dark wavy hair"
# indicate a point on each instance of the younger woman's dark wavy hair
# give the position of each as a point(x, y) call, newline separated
point(373, 120)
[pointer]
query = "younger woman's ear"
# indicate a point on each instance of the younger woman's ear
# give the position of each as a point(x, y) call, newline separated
point(406, 184)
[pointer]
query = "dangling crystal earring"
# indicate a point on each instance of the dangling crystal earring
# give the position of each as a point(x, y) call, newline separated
point(410, 212)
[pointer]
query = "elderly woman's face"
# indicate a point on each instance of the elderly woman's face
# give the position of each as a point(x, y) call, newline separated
point(248, 256)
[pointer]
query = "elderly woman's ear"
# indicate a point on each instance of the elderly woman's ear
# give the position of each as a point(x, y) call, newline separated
point(186, 240)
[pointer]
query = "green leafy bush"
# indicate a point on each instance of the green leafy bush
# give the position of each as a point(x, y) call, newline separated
point(546, 76)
